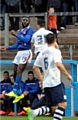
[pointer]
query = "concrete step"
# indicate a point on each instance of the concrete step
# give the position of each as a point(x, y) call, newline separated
point(12, 39)
point(71, 27)
point(75, 57)
point(63, 39)
point(65, 57)
point(68, 39)
point(10, 54)
point(67, 35)
point(65, 53)
point(64, 49)
point(75, 54)
point(75, 50)
point(73, 31)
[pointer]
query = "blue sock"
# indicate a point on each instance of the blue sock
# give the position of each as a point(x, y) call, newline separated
point(18, 79)
point(17, 84)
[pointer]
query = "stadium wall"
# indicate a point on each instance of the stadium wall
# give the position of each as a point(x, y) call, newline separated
point(8, 65)
point(72, 67)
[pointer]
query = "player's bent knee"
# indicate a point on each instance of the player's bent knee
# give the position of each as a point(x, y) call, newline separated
point(54, 108)
point(62, 104)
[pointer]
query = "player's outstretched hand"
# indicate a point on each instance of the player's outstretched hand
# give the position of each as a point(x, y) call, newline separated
point(13, 33)
point(3, 48)
point(69, 77)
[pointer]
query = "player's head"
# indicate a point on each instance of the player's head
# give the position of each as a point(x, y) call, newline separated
point(50, 38)
point(25, 22)
point(51, 10)
point(30, 75)
point(6, 75)
point(40, 23)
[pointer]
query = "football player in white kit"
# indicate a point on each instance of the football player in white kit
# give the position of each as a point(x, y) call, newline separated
point(50, 61)
point(38, 40)
point(39, 37)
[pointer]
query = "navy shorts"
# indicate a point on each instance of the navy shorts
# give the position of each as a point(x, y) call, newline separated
point(55, 95)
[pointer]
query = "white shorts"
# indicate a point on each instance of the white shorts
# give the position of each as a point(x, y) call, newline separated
point(23, 57)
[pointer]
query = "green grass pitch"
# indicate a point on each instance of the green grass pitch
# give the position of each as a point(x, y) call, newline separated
point(37, 118)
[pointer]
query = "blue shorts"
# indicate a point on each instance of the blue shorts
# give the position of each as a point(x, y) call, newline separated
point(55, 95)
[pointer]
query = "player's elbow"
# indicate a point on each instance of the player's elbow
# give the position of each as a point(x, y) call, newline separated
point(58, 64)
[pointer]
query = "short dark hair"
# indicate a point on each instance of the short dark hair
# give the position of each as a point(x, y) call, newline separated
point(50, 38)
point(26, 17)
point(6, 72)
point(12, 75)
point(41, 22)
point(30, 72)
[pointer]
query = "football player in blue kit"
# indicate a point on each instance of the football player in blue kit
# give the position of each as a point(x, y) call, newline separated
point(23, 56)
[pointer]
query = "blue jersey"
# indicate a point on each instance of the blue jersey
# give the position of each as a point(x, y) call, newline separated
point(5, 87)
point(24, 38)
point(32, 86)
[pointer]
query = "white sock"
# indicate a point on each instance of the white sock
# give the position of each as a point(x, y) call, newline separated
point(35, 112)
point(41, 111)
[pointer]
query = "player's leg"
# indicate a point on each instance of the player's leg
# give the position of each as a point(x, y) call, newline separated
point(42, 110)
point(59, 112)
point(15, 70)
point(33, 113)
point(20, 69)
point(22, 59)
point(26, 57)
point(38, 102)
point(16, 62)
point(59, 98)
point(16, 89)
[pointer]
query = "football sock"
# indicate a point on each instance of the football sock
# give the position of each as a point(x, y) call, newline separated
point(17, 82)
point(17, 85)
point(59, 113)
point(41, 111)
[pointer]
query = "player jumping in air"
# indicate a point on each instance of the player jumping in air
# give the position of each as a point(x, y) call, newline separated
point(23, 57)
